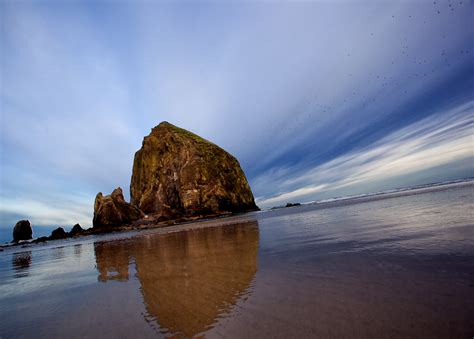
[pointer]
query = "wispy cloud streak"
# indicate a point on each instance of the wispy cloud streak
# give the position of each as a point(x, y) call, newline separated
point(440, 139)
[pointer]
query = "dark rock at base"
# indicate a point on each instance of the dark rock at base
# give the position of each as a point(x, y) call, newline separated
point(76, 230)
point(112, 210)
point(41, 239)
point(292, 204)
point(22, 231)
point(177, 173)
point(58, 233)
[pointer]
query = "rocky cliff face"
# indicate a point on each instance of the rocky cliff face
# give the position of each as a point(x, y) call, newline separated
point(177, 173)
point(112, 210)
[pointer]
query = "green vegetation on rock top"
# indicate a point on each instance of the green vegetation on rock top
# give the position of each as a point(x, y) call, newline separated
point(182, 132)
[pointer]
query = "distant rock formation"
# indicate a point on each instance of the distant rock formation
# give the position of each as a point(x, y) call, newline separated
point(58, 233)
point(76, 230)
point(179, 174)
point(42, 239)
point(112, 210)
point(22, 231)
point(291, 204)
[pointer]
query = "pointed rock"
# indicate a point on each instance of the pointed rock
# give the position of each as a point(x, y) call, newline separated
point(76, 230)
point(112, 210)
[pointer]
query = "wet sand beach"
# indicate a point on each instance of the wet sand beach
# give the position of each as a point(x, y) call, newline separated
point(399, 267)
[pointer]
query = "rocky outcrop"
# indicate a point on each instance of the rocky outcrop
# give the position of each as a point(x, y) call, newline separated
point(58, 233)
point(112, 210)
point(177, 173)
point(292, 204)
point(76, 230)
point(22, 231)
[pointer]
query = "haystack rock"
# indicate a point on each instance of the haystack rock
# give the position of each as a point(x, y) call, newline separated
point(179, 174)
point(112, 210)
point(22, 231)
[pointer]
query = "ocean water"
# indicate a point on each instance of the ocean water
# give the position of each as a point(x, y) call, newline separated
point(400, 266)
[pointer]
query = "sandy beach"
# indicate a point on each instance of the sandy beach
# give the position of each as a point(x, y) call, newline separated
point(396, 267)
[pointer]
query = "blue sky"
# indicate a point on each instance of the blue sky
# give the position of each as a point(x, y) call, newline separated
point(315, 99)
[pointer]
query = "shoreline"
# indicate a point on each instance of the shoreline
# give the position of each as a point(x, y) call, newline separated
point(180, 225)
point(162, 227)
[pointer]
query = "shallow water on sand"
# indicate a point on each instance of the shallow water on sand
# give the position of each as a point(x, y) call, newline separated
point(398, 267)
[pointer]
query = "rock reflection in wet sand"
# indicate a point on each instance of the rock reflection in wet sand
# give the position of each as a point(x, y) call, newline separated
point(78, 250)
point(21, 263)
point(112, 260)
point(188, 279)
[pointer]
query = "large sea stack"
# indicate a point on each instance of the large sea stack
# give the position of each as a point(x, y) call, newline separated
point(179, 174)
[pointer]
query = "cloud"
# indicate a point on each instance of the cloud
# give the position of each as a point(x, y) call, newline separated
point(65, 211)
point(443, 138)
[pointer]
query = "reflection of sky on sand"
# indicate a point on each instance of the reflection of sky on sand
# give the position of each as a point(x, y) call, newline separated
point(52, 265)
point(413, 224)
point(188, 279)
